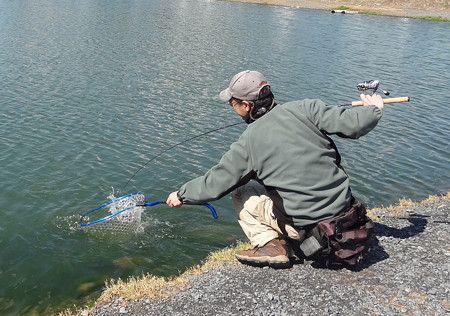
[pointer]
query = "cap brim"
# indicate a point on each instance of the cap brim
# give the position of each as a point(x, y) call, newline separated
point(225, 95)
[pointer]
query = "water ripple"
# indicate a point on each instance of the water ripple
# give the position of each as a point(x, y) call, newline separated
point(93, 91)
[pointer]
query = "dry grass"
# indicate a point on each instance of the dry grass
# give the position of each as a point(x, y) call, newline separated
point(405, 203)
point(147, 285)
point(153, 287)
point(160, 287)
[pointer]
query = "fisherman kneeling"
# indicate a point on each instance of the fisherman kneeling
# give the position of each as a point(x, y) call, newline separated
point(287, 185)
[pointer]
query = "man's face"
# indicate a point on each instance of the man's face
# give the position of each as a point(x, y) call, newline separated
point(241, 108)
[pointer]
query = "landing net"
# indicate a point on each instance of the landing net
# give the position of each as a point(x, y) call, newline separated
point(119, 215)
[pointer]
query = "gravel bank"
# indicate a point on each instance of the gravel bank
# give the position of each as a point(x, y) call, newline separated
point(398, 8)
point(405, 272)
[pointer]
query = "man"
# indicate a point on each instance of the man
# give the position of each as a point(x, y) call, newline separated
point(284, 171)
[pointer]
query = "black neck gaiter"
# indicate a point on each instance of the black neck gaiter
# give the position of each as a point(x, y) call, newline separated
point(257, 112)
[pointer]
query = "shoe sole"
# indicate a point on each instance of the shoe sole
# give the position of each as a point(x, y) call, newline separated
point(278, 262)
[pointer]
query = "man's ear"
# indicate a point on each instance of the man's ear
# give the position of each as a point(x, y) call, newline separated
point(247, 105)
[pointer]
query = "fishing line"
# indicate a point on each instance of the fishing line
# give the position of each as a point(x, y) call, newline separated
point(177, 144)
point(124, 213)
point(363, 86)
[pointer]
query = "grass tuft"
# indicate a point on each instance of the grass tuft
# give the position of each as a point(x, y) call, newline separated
point(159, 287)
point(342, 7)
point(371, 12)
point(404, 203)
point(148, 285)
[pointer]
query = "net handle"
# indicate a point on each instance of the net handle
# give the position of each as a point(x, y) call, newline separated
point(211, 208)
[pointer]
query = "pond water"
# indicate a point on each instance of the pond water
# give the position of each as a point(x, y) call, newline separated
point(91, 91)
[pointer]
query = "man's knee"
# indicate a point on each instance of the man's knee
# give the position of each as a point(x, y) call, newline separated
point(244, 192)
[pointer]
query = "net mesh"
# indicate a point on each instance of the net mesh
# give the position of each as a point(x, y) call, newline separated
point(126, 222)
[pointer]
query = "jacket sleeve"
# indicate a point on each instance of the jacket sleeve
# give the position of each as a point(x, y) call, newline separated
point(351, 122)
point(233, 170)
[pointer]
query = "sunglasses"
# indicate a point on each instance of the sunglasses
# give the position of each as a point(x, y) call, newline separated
point(230, 102)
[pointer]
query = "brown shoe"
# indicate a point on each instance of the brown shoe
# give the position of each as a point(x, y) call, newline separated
point(274, 254)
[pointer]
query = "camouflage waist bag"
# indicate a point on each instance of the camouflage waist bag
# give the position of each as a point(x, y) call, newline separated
point(340, 240)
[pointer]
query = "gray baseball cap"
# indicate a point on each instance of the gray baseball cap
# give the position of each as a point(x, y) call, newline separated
point(244, 86)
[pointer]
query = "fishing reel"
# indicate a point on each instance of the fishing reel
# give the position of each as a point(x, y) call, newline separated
point(370, 85)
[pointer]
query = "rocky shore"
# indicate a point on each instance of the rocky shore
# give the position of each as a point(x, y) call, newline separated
point(399, 8)
point(407, 271)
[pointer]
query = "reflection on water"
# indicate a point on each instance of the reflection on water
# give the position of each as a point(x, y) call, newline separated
point(91, 91)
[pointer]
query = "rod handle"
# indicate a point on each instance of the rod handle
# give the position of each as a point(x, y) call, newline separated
point(388, 100)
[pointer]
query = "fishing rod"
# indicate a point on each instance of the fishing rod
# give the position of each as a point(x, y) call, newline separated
point(385, 101)
point(374, 85)
point(177, 144)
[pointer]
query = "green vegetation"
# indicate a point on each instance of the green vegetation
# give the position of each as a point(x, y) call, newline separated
point(342, 7)
point(428, 17)
point(434, 18)
point(371, 12)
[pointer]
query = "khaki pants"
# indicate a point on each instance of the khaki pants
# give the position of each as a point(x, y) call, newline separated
point(257, 216)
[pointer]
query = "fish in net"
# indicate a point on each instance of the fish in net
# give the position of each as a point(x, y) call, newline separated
point(123, 214)
point(119, 215)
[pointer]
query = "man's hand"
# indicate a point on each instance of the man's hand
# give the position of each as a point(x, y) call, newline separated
point(375, 99)
point(173, 201)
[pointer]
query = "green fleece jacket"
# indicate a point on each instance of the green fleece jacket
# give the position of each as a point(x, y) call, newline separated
point(289, 152)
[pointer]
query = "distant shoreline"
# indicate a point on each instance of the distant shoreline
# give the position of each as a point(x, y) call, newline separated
point(398, 8)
